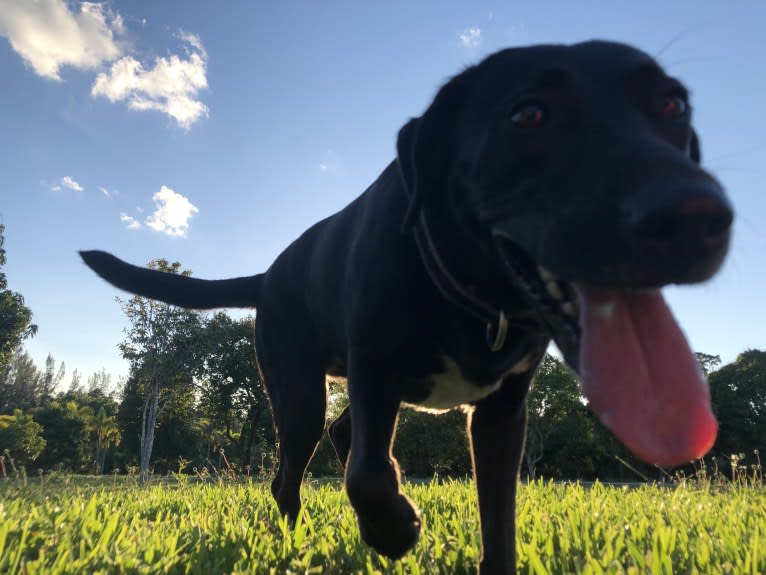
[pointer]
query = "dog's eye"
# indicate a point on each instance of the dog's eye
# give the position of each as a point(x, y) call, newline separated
point(528, 115)
point(673, 107)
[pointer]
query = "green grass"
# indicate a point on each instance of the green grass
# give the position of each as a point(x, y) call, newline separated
point(181, 527)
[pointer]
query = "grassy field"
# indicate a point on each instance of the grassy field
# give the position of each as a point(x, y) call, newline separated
point(116, 526)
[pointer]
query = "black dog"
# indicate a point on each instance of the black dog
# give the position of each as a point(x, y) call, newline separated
point(546, 193)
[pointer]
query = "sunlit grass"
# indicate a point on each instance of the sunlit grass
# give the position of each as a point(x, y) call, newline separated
point(117, 526)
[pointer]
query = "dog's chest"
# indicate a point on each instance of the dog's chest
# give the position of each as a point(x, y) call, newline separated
point(449, 388)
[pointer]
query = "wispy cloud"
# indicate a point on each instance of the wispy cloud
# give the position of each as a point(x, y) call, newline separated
point(48, 35)
point(71, 183)
point(329, 163)
point(470, 37)
point(171, 86)
point(172, 214)
point(130, 222)
point(108, 193)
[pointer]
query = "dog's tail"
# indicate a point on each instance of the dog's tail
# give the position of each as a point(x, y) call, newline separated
point(174, 289)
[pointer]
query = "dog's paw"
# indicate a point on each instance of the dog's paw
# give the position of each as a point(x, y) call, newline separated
point(392, 531)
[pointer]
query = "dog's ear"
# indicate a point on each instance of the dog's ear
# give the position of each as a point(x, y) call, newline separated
point(405, 157)
point(405, 143)
point(424, 145)
point(694, 148)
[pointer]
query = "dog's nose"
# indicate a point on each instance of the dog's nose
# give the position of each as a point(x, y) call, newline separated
point(693, 214)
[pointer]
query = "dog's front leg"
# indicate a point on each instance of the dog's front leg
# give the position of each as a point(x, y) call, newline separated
point(388, 520)
point(497, 428)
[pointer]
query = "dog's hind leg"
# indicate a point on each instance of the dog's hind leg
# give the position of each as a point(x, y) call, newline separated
point(387, 519)
point(340, 435)
point(295, 382)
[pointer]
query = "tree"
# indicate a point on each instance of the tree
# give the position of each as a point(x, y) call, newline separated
point(104, 434)
point(20, 384)
point(64, 428)
point(708, 363)
point(232, 397)
point(97, 411)
point(21, 437)
point(50, 379)
point(738, 392)
point(100, 381)
point(15, 317)
point(75, 383)
point(129, 411)
point(564, 438)
point(428, 444)
point(556, 412)
point(160, 348)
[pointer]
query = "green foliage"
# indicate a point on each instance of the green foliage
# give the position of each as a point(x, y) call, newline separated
point(19, 383)
point(565, 440)
point(325, 462)
point(23, 386)
point(162, 346)
point(177, 434)
point(235, 528)
point(428, 444)
point(129, 419)
point(738, 392)
point(67, 445)
point(15, 317)
point(21, 437)
point(211, 398)
point(104, 433)
point(233, 398)
point(708, 363)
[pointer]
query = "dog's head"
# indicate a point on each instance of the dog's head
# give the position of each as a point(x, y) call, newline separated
point(577, 168)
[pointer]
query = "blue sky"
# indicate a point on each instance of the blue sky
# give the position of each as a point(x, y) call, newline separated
point(215, 133)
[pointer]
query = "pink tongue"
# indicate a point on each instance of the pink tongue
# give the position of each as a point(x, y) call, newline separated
point(641, 378)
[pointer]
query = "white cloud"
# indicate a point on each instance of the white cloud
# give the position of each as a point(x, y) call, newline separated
point(71, 183)
point(51, 34)
point(131, 222)
point(172, 214)
point(118, 25)
point(171, 86)
point(330, 163)
point(193, 41)
point(109, 193)
point(47, 35)
point(471, 37)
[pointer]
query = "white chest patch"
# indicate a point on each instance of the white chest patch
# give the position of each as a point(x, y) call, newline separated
point(450, 388)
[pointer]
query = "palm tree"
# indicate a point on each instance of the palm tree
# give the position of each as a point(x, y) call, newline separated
point(105, 433)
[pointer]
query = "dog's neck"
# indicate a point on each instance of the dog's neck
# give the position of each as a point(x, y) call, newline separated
point(469, 298)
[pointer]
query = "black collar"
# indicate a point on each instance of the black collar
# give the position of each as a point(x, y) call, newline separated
point(493, 316)
point(453, 291)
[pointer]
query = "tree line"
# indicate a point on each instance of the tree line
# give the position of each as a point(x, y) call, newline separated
point(193, 401)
